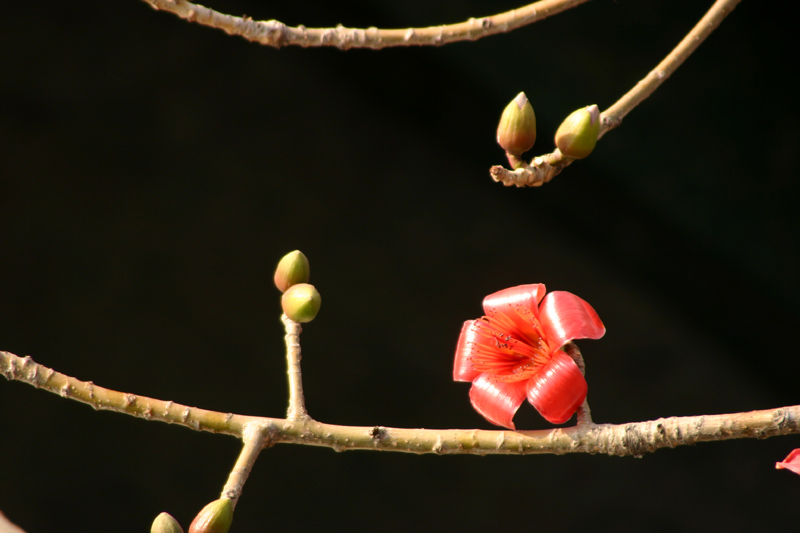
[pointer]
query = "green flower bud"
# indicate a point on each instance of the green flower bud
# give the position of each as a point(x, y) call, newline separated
point(516, 132)
point(292, 269)
point(301, 302)
point(216, 517)
point(577, 135)
point(165, 523)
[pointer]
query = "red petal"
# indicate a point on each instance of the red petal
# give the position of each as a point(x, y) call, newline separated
point(505, 301)
point(792, 462)
point(497, 401)
point(558, 389)
point(462, 368)
point(565, 317)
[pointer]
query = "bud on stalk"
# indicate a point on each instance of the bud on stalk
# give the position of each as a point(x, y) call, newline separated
point(516, 132)
point(165, 523)
point(301, 302)
point(216, 517)
point(293, 268)
point(577, 135)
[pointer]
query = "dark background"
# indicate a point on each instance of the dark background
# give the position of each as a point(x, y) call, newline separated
point(152, 173)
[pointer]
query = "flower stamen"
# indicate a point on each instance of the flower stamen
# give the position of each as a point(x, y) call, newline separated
point(509, 348)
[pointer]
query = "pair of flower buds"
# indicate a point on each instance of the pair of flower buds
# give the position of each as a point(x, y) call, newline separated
point(575, 138)
point(300, 300)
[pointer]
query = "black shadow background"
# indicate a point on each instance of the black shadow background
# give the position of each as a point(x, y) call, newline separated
point(152, 173)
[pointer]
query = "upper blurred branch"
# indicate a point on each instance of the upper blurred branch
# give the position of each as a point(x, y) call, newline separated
point(277, 34)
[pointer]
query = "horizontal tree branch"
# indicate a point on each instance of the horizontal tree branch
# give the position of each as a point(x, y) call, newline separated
point(544, 168)
point(26, 370)
point(612, 439)
point(278, 34)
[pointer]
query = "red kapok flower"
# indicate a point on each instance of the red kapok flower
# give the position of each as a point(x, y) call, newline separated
point(515, 352)
point(792, 462)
